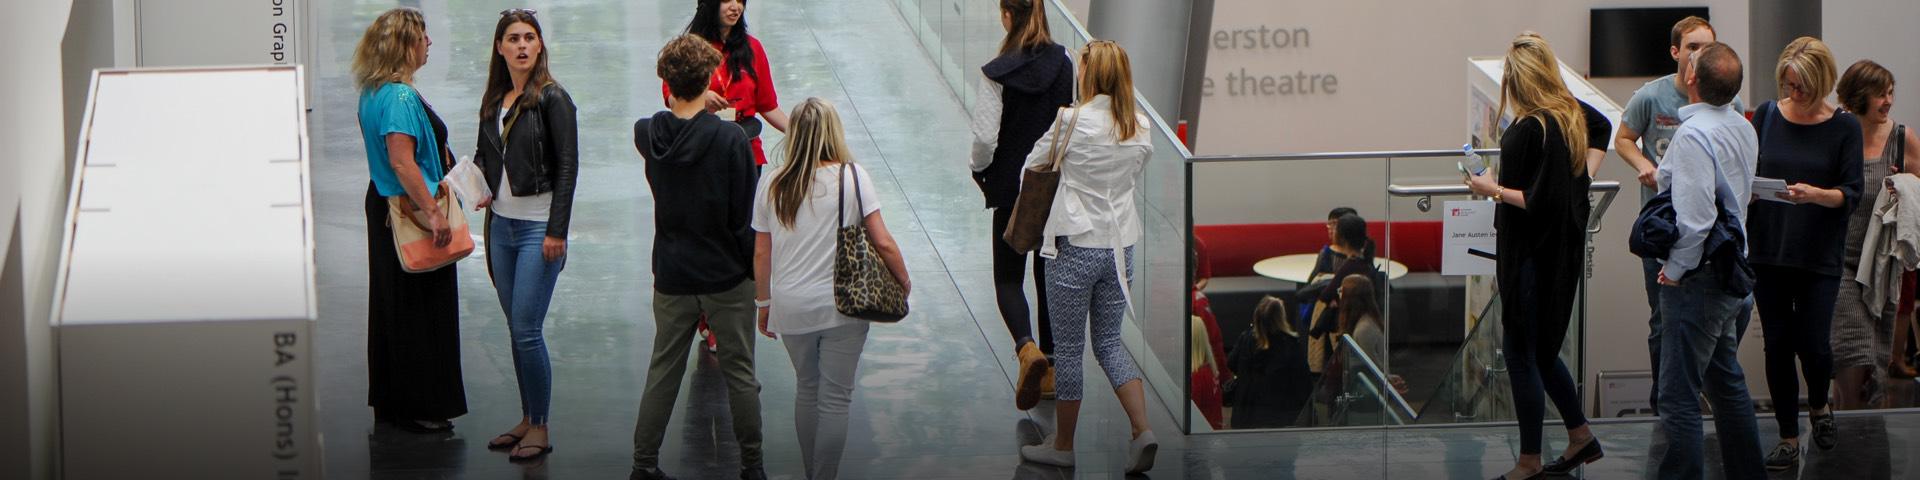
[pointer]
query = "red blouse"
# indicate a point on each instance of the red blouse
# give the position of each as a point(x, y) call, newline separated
point(750, 95)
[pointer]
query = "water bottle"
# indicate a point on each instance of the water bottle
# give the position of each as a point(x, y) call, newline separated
point(1474, 164)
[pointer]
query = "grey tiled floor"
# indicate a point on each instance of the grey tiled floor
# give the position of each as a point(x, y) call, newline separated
point(933, 399)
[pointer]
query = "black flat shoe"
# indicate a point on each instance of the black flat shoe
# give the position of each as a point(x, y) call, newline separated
point(1562, 466)
point(422, 426)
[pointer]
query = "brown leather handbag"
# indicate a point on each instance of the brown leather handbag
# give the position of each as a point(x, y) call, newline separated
point(1038, 185)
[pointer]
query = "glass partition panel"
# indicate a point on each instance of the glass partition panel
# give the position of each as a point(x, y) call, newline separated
point(1445, 331)
point(1274, 268)
point(1354, 392)
point(1282, 268)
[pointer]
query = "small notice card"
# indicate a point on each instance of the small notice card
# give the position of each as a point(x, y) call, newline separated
point(1468, 246)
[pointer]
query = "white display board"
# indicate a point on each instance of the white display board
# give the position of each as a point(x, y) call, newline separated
point(186, 294)
point(1467, 245)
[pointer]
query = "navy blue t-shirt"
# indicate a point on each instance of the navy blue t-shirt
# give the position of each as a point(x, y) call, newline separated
point(1826, 155)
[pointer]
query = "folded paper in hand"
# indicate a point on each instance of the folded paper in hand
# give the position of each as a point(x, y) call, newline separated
point(1770, 189)
point(468, 183)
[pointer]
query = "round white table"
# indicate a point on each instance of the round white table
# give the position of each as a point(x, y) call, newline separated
point(1294, 268)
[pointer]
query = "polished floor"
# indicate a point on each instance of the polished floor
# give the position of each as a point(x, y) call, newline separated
point(934, 396)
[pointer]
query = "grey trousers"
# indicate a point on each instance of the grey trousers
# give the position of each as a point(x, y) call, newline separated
point(730, 318)
point(825, 368)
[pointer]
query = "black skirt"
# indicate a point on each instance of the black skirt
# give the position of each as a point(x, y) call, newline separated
point(413, 331)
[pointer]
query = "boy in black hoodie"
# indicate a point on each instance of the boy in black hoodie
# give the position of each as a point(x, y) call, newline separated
point(701, 172)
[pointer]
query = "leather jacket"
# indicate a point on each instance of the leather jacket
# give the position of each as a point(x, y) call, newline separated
point(541, 154)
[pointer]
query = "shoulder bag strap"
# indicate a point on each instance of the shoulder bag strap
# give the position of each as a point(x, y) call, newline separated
point(1899, 145)
point(859, 204)
point(841, 214)
point(1057, 152)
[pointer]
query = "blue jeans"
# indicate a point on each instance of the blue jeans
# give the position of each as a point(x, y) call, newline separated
point(524, 280)
point(1651, 269)
point(1700, 344)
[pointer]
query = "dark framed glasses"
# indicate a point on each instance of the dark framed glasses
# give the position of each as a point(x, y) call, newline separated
point(514, 11)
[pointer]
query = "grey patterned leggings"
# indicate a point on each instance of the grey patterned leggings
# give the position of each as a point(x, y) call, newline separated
point(1083, 292)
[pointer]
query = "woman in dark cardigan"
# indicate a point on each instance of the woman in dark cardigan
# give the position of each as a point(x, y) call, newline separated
point(1025, 86)
point(1541, 217)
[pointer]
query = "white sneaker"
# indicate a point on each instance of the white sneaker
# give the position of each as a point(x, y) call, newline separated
point(1046, 455)
point(1140, 452)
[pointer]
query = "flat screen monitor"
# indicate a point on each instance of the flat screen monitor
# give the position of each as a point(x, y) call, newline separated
point(1632, 42)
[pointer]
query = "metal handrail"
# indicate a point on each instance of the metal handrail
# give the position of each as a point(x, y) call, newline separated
point(1373, 371)
point(1608, 188)
point(1293, 157)
point(1399, 190)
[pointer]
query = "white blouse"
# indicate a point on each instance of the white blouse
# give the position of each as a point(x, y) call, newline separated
point(1098, 178)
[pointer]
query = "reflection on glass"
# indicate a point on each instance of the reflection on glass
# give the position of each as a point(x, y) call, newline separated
point(1431, 341)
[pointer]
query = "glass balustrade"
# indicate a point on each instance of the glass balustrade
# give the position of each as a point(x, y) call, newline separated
point(1256, 230)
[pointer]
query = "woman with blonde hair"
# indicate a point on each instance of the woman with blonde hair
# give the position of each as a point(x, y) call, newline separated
point(1541, 197)
point(1797, 242)
point(1088, 240)
point(413, 319)
point(1204, 373)
point(797, 216)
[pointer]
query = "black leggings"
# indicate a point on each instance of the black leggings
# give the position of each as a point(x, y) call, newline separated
point(1534, 334)
point(1010, 291)
point(1796, 318)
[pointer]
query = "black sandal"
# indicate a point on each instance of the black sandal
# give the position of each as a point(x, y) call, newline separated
point(543, 451)
point(504, 446)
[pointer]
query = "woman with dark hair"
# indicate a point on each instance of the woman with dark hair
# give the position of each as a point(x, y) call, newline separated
point(1350, 235)
point(1270, 361)
point(413, 319)
point(1541, 214)
point(529, 154)
point(1332, 255)
point(742, 89)
point(1025, 86)
point(1865, 319)
point(1360, 317)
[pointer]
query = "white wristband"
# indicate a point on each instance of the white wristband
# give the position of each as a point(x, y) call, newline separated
point(758, 303)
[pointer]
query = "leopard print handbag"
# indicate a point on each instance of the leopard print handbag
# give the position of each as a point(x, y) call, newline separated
point(863, 287)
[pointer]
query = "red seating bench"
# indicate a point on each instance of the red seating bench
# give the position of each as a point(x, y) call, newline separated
point(1232, 249)
point(1424, 306)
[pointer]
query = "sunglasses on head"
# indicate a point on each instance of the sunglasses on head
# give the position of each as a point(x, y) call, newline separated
point(513, 11)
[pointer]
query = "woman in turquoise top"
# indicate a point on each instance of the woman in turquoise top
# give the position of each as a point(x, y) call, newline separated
point(413, 319)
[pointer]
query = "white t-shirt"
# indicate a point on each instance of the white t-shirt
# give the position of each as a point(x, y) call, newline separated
point(505, 204)
point(802, 260)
